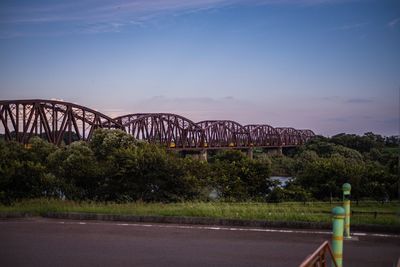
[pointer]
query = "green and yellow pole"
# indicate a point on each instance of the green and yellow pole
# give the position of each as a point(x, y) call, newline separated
point(337, 235)
point(346, 205)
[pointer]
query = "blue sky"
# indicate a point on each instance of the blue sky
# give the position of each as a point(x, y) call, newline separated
point(329, 65)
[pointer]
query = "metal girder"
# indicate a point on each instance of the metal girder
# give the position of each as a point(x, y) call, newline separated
point(263, 135)
point(58, 122)
point(224, 134)
point(55, 121)
point(170, 130)
point(289, 136)
point(306, 134)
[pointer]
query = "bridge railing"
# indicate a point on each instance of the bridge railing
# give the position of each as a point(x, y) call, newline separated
point(320, 257)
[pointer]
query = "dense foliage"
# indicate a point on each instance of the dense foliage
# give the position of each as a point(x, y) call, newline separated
point(115, 167)
point(370, 163)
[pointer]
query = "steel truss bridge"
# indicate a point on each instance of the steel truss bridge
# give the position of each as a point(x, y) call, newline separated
point(62, 123)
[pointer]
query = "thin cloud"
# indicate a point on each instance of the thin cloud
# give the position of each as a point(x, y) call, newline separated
point(99, 12)
point(103, 27)
point(359, 100)
point(393, 22)
point(349, 27)
point(101, 16)
point(330, 98)
point(338, 99)
point(336, 119)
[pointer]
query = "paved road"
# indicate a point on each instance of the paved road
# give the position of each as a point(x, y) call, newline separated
point(48, 242)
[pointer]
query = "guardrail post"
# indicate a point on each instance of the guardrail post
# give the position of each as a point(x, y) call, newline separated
point(346, 204)
point(337, 235)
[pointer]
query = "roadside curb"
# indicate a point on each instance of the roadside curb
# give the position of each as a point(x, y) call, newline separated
point(15, 215)
point(200, 221)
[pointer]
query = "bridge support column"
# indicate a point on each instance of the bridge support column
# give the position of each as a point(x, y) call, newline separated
point(274, 151)
point(250, 153)
point(203, 155)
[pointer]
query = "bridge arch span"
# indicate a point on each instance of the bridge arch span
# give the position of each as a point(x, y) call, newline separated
point(56, 121)
point(306, 134)
point(289, 136)
point(166, 129)
point(263, 135)
point(224, 134)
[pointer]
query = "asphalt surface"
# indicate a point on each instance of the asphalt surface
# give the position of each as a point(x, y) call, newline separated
point(51, 242)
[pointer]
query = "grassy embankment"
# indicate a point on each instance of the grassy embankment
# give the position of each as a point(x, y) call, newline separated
point(387, 214)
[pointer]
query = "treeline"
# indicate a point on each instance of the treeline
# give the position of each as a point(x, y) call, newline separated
point(369, 162)
point(114, 166)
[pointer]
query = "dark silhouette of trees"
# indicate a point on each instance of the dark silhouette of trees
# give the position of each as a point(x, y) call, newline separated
point(114, 166)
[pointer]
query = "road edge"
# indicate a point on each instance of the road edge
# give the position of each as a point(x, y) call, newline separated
point(198, 221)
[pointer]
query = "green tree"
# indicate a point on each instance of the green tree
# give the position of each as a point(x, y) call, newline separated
point(23, 173)
point(104, 142)
point(239, 178)
point(324, 177)
point(76, 166)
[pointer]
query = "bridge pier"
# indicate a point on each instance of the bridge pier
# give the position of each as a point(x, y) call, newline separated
point(195, 154)
point(203, 155)
point(274, 151)
point(250, 153)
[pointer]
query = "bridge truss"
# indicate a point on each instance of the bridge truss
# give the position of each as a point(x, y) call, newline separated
point(224, 133)
point(55, 121)
point(61, 122)
point(166, 129)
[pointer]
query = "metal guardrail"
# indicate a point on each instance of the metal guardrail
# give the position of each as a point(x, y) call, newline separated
point(320, 257)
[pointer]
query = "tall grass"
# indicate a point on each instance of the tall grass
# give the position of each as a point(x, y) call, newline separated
point(387, 214)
